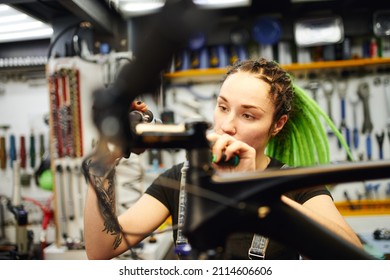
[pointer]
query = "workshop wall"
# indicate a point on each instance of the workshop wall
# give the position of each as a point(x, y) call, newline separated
point(24, 105)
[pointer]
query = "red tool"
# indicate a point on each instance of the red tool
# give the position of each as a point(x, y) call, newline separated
point(22, 152)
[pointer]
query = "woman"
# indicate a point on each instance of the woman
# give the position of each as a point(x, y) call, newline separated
point(259, 117)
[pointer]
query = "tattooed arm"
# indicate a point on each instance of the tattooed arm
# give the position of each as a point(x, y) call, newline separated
point(103, 230)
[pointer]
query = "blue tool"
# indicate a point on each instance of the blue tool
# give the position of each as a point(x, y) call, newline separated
point(12, 150)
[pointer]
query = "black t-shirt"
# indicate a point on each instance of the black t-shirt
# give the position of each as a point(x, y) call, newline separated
point(238, 244)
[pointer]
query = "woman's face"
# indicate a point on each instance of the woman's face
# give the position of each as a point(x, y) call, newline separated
point(244, 110)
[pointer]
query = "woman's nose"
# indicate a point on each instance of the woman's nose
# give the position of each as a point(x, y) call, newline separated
point(228, 126)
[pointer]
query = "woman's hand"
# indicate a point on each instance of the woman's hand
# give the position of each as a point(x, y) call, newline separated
point(230, 147)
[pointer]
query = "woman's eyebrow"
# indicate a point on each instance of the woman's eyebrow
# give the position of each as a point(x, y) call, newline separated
point(245, 106)
point(223, 98)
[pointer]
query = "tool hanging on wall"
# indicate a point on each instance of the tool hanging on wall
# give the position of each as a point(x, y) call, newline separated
point(24, 176)
point(386, 87)
point(364, 94)
point(354, 101)
point(3, 154)
point(41, 146)
point(32, 152)
point(313, 85)
point(3, 147)
point(328, 87)
point(342, 87)
point(80, 200)
point(12, 150)
point(62, 221)
point(379, 138)
point(70, 196)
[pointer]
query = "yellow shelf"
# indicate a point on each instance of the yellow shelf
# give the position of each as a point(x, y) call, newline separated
point(337, 64)
point(364, 207)
point(213, 74)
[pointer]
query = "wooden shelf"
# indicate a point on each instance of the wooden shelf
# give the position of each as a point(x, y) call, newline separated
point(215, 74)
point(364, 207)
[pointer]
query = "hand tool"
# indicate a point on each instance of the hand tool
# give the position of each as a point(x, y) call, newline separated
point(386, 86)
point(60, 198)
point(70, 198)
point(3, 153)
point(233, 161)
point(328, 88)
point(354, 102)
point(32, 151)
point(363, 93)
point(313, 86)
point(22, 152)
point(80, 198)
point(342, 86)
point(348, 199)
point(379, 138)
point(24, 176)
point(12, 150)
point(368, 146)
point(3, 148)
point(388, 190)
point(41, 146)
point(2, 220)
point(371, 190)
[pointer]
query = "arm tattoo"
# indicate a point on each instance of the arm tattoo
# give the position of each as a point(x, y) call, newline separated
point(106, 201)
point(105, 197)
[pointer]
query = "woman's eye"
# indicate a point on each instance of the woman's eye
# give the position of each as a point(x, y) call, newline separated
point(248, 117)
point(222, 108)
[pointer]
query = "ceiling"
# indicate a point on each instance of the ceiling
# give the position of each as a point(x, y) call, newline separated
point(107, 21)
point(105, 17)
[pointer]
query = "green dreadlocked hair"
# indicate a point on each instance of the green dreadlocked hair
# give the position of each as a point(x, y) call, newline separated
point(303, 140)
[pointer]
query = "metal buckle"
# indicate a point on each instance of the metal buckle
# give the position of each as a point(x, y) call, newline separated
point(254, 256)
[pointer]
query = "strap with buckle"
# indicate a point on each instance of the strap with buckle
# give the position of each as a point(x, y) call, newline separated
point(258, 247)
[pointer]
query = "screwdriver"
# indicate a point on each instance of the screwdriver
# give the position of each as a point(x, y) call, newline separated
point(32, 151)
point(12, 150)
point(3, 154)
point(22, 152)
point(41, 145)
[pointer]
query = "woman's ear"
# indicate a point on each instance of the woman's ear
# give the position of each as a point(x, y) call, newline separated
point(278, 126)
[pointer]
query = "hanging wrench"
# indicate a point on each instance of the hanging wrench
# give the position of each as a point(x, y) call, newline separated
point(386, 85)
point(328, 87)
point(342, 87)
point(354, 102)
point(379, 138)
point(363, 93)
point(313, 86)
